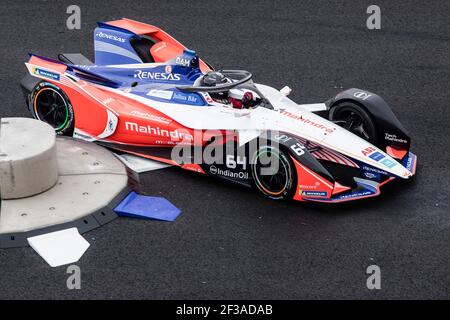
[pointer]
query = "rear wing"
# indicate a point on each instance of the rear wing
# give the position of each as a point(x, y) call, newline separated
point(126, 41)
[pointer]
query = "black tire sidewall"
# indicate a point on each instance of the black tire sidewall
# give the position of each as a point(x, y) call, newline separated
point(284, 156)
point(68, 129)
point(361, 111)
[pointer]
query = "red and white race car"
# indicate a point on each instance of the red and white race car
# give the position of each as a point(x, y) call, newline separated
point(148, 95)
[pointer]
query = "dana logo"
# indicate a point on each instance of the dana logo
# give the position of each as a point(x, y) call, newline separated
point(314, 193)
point(109, 36)
point(175, 134)
point(140, 74)
point(45, 74)
point(183, 61)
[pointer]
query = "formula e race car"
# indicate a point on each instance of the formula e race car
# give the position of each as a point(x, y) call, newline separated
point(148, 95)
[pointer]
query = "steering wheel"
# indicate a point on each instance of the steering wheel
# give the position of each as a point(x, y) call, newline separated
point(246, 76)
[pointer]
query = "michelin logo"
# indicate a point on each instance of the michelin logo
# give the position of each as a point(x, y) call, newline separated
point(314, 193)
point(45, 74)
point(140, 74)
point(157, 131)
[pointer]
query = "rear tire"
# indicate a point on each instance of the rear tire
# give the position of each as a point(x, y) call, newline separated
point(50, 104)
point(277, 178)
point(355, 119)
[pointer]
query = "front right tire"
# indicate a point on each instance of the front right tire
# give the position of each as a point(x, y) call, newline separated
point(50, 104)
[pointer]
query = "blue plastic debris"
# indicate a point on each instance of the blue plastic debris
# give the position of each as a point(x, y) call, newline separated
point(139, 206)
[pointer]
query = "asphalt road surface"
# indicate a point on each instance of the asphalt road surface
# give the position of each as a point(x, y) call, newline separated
point(232, 243)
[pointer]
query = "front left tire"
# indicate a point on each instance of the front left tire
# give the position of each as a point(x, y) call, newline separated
point(355, 118)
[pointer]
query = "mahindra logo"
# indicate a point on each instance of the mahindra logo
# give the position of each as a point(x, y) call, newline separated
point(140, 74)
point(183, 61)
point(307, 121)
point(149, 130)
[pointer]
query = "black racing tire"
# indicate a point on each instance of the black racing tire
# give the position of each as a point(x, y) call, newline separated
point(355, 118)
point(50, 104)
point(280, 185)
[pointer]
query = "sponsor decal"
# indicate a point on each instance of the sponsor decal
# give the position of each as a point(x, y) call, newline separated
point(108, 100)
point(362, 95)
point(376, 156)
point(371, 175)
point(368, 150)
point(85, 67)
point(355, 195)
point(163, 94)
point(185, 97)
point(168, 69)
point(110, 37)
point(227, 173)
point(409, 163)
point(393, 137)
point(314, 193)
point(110, 125)
point(141, 74)
point(388, 163)
point(46, 74)
point(307, 121)
point(149, 130)
point(183, 62)
point(374, 170)
point(150, 116)
point(207, 97)
point(301, 186)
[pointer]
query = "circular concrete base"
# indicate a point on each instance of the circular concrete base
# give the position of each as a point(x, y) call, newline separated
point(27, 157)
point(91, 181)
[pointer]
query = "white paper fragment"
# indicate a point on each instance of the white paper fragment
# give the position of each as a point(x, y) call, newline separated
point(60, 247)
point(139, 164)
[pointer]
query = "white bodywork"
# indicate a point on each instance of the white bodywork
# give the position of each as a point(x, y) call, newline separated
point(287, 116)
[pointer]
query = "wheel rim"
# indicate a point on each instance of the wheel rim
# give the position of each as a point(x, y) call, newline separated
point(274, 185)
point(354, 122)
point(51, 107)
